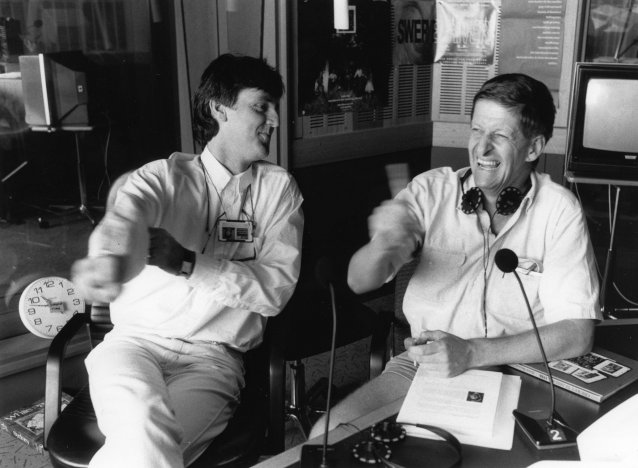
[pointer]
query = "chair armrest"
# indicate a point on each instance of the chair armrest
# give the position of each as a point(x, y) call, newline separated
point(55, 357)
point(274, 339)
point(379, 341)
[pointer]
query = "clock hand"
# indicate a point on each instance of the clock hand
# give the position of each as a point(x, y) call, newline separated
point(48, 301)
point(55, 306)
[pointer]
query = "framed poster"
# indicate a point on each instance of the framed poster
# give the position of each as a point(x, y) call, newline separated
point(466, 31)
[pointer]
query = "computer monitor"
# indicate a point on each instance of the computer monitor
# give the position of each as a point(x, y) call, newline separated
point(55, 89)
point(603, 121)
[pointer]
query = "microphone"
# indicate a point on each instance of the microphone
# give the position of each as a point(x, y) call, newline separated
point(322, 455)
point(552, 432)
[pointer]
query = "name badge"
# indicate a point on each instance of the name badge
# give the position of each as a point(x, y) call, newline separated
point(230, 230)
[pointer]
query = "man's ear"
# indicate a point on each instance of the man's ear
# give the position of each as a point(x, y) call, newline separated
point(217, 110)
point(536, 148)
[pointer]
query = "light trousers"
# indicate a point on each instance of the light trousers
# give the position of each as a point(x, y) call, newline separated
point(160, 401)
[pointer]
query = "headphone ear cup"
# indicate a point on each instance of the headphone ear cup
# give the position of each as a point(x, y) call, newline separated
point(508, 201)
point(471, 200)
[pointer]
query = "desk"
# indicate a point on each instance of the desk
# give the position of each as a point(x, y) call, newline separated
point(577, 411)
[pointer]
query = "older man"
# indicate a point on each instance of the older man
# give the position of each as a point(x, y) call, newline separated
point(463, 311)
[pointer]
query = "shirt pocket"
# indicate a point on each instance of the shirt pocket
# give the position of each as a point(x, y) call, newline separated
point(511, 303)
point(437, 276)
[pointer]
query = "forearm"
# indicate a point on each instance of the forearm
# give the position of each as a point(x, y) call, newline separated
point(373, 265)
point(263, 285)
point(395, 235)
point(121, 237)
point(263, 288)
point(367, 270)
point(564, 339)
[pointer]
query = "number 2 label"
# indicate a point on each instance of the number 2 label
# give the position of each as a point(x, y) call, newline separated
point(556, 435)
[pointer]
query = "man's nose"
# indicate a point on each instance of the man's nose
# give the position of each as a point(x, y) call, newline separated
point(484, 144)
point(273, 118)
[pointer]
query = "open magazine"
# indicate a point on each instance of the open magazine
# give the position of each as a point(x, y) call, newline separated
point(476, 407)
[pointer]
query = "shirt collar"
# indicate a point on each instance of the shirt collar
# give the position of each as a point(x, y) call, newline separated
point(221, 176)
point(531, 193)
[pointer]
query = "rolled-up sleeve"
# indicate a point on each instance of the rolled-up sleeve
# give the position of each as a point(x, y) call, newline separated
point(569, 283)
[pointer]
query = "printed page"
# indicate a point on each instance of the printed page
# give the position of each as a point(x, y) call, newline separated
point(465, 404)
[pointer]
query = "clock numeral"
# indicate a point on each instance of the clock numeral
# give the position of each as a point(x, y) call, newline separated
point(59, 327)
point(49, 327)
point(34, 300)
point(31, 311)
point(76, 301)
point(38, 290)
point(70, 292)
point(38, 321)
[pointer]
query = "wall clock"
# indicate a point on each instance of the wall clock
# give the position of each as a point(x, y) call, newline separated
point(47, 304)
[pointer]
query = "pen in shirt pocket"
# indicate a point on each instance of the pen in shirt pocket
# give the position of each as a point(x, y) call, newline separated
point(529, 267)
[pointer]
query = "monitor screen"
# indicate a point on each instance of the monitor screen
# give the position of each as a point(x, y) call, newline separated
point(603, 131)
point(611, 123)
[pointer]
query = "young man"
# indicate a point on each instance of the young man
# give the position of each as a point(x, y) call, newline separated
point(194, 254)
point(463, 311)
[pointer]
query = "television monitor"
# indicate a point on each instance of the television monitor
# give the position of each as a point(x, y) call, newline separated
point(603, 121)
point(55, 89)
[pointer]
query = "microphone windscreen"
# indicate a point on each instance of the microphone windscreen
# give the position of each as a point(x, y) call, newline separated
point(506, 260)
point(324, 272)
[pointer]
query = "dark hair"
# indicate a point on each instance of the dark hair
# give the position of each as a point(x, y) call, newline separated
point(222, 81)
point(528, 97)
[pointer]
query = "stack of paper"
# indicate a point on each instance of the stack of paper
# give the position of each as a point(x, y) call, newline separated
point(476, 407)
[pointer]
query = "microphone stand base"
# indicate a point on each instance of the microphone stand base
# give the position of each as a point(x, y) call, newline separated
point(312, 456)
point(545, 435)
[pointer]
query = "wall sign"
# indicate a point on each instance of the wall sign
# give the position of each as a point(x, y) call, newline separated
point(413, 31)
point(466, 31)
point(532, 39)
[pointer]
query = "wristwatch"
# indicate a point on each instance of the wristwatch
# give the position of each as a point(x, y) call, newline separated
point(188, 263)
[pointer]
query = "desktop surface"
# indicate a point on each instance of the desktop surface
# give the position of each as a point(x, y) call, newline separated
point(534, 399)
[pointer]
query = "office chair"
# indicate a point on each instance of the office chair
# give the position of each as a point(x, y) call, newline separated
point(72, 436)
point(400, 328)
point(305, 330)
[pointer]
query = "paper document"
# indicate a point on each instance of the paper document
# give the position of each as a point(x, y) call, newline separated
point(475, 406)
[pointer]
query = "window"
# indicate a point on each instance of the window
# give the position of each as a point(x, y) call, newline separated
point(131, 85)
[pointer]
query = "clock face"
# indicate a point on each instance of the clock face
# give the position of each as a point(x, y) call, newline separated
point(47, 304)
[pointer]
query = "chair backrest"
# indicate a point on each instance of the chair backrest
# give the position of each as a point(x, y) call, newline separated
point(400, 285)
point(99, 323)
point(401, 328)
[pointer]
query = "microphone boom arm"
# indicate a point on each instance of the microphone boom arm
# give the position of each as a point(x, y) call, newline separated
point(324, 460)
point(553, 432)
point(550, 420)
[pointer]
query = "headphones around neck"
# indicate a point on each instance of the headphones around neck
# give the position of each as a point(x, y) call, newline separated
point(507, 202)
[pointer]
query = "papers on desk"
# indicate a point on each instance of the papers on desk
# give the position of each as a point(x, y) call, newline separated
point(476, 407)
